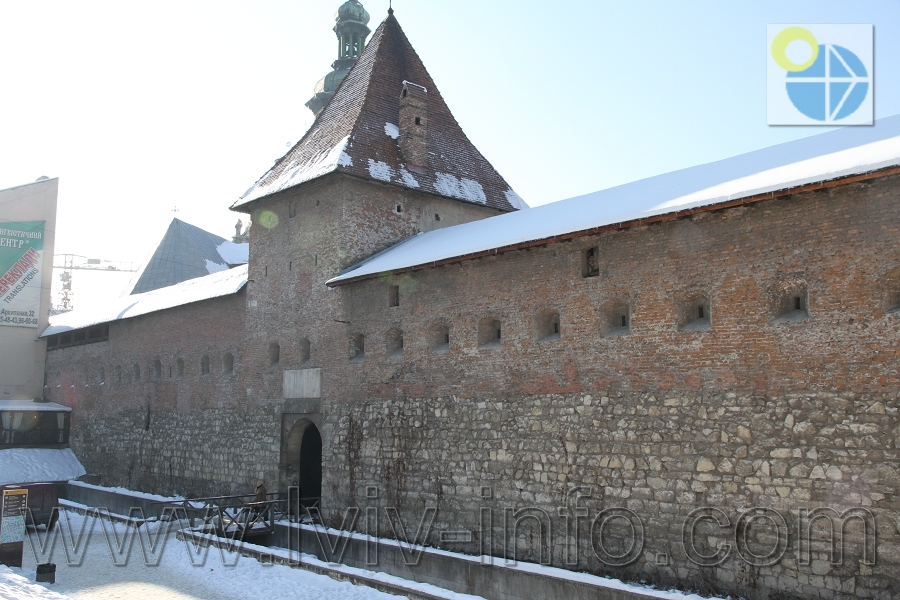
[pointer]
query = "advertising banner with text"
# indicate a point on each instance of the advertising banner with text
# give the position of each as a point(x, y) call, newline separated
point(12, 526)
point(21, 256)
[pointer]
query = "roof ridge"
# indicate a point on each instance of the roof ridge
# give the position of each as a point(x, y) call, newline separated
point(357, 131)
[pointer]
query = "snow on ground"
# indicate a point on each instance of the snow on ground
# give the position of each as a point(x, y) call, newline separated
point(127, 492)
point(178, 574)
point(16, 587)
point(99, 561)
point(34, 465)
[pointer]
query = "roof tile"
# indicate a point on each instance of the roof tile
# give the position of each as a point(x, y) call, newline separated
point(352, 135)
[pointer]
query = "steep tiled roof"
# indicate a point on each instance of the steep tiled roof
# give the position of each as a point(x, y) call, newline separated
point(185, 252)
point(357, 134)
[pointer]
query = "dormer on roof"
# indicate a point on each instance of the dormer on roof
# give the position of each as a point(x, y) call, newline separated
point(358, 133)
point(414, 126)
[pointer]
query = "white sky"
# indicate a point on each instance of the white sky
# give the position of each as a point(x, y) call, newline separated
point(141, 108)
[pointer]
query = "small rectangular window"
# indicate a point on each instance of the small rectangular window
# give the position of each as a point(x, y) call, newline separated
point(394, 296)
point(591, 266)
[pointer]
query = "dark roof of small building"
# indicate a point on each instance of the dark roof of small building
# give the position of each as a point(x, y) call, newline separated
point(185, 252)
point(357, 134)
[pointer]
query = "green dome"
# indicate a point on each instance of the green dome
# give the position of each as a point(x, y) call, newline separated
point(352, 11)
point(330, 83)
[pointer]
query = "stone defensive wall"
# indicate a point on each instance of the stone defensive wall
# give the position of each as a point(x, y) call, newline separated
point(713, 401)
point(710, 400)
point(157, 404)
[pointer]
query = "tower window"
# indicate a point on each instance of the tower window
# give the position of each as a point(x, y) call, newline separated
point(439, 337)
point(547, 326)
point(590, 263)
point(615, 319)
point(489, 333)
point(394, 343)
point(694, 314)
point(357, 347)
point(274, 354)
point(418, 120)
point(394, 295)
point(791, 299)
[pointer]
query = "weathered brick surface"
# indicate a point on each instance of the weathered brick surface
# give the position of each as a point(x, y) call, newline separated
point(753, 411)
point(194, 434)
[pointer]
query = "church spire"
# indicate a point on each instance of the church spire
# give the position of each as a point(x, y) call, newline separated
point(351, 21)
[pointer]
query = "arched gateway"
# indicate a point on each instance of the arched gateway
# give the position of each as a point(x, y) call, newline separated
point(304, 461)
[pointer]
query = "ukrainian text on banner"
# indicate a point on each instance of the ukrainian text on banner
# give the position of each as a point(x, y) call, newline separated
point(21, 256)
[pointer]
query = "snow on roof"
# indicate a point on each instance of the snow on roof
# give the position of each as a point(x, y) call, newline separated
point(838, 153)
point(184, 252)
point(38, 465)
point(216, 285)
point(234, 254)
point(319, 164)
point(32, 405)
point(356, 134)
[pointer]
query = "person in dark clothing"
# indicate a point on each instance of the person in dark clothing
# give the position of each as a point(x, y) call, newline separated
point(261, 493)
